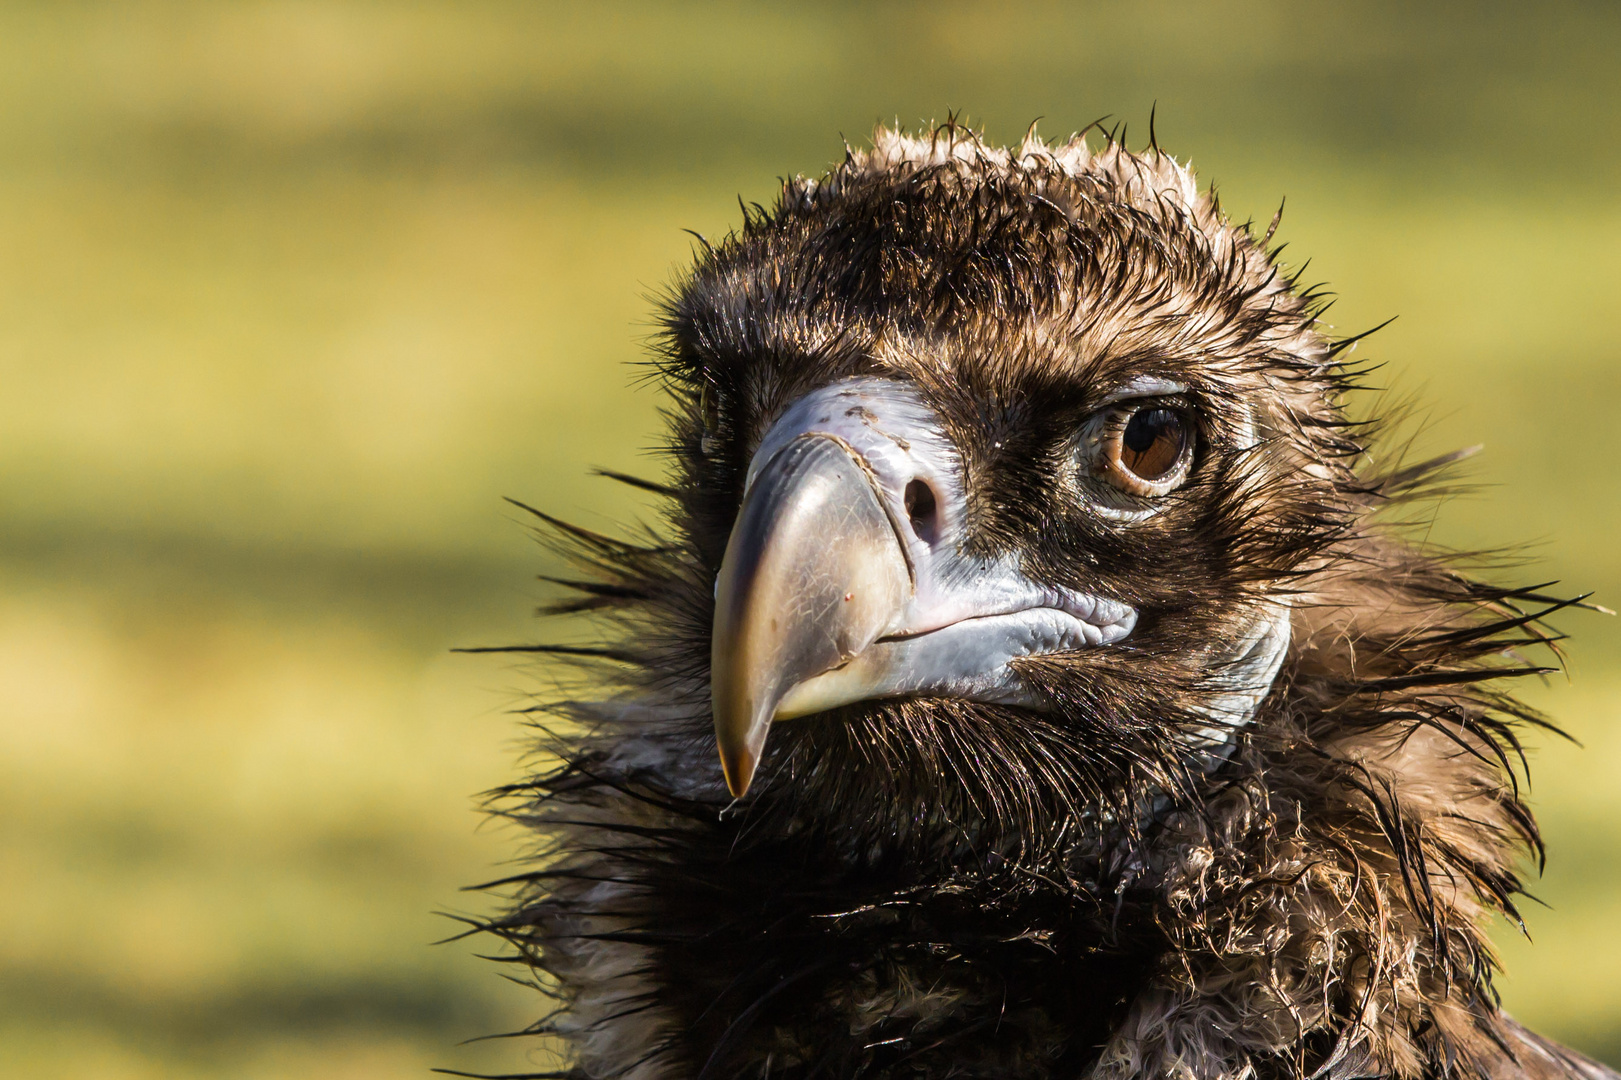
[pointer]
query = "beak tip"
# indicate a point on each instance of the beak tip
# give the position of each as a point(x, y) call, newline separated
point(740, 736)
point(738, 768)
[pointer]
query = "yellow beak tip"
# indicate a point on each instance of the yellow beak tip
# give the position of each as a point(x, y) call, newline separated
point(739, 771)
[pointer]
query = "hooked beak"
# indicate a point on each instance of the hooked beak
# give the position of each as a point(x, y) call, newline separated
point(844, 578)
point(813, 574)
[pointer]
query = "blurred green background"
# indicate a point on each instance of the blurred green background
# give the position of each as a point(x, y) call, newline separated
point(292, 292)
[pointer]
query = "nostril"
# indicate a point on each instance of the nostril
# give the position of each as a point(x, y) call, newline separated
point(923, 510)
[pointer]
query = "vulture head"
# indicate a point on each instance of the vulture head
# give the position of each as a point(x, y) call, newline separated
point(1021, 682)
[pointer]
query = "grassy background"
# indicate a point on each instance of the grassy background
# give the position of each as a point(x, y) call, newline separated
point(291, 293)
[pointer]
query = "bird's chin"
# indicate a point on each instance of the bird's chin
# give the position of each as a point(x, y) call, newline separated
point(969, 660)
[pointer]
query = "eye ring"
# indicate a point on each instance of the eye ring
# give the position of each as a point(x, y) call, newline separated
point(1147, 447)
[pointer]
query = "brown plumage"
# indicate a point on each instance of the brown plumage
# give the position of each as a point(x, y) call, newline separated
point(1169, 850)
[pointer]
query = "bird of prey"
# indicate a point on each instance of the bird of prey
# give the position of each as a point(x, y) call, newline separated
point(1030, 676)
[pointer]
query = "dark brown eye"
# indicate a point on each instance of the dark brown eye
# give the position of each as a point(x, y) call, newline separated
point(1153, 442)
point(1149, 449)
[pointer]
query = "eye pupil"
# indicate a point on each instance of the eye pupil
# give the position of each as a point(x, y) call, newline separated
point(1153, 442)
point(1147, 426)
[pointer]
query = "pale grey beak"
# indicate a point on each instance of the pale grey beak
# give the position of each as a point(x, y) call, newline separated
point(813, 574)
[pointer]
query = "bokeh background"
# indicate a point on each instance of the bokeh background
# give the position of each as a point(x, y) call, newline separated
point(292, 292)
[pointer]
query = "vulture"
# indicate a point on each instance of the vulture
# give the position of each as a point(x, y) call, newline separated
point(1029, 672)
